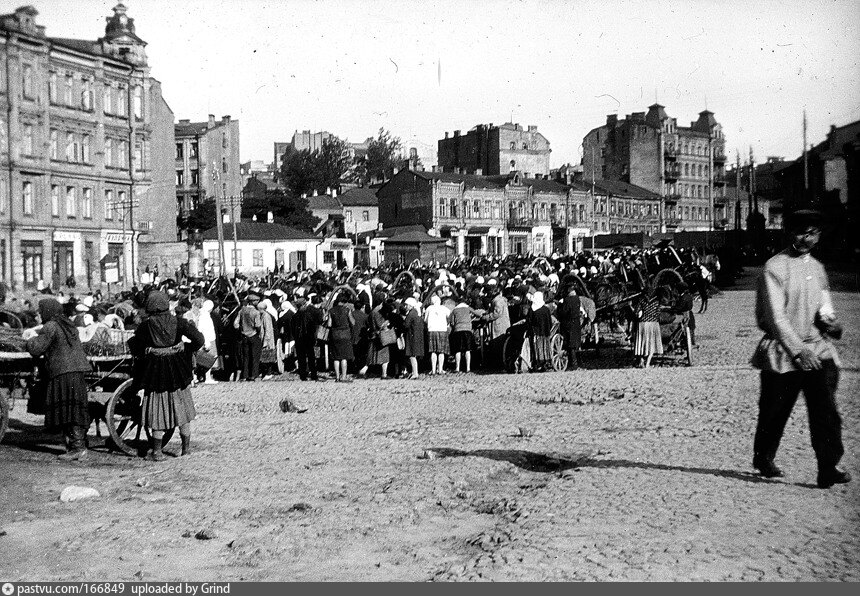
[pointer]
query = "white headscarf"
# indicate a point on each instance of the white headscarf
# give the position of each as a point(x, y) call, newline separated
point(537, 300)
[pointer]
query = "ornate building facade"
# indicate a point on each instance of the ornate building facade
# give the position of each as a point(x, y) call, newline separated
point(83, 135)
point(683, 165)
point(492, 150)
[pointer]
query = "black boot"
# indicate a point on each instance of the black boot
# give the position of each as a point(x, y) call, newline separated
point(76, 442)
point(156, 454)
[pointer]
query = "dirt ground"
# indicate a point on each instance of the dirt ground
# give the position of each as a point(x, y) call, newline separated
point(628, 475)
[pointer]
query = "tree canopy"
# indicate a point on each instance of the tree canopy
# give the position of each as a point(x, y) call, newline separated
point(287, 209)
point(305, 171)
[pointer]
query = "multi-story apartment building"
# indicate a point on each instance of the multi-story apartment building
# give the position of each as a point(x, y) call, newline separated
point(83, 132)
point(684, 165)
point(493, 150)
point(207, 163)
point(499, 214)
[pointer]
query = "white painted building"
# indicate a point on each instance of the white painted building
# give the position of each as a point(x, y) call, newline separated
point(262, 247)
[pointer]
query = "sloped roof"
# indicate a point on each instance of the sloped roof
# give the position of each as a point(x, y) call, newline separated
point(323, 202)
point(616, 187)
point(414, 236)
point(80, 45)
point(471, 180)
point(359, 197)
point(190, 128)
point(396, 230)
point(253, 230)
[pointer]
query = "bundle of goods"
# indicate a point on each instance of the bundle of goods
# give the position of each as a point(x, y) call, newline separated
point(11, 340)
point(98, 340)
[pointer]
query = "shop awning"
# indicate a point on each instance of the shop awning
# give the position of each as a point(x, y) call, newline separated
point(479, 230)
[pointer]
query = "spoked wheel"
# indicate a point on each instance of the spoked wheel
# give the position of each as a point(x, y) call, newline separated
point(123, 415)
point(559, 354)
point(4, 413)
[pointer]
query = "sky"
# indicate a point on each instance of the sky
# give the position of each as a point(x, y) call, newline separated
point(424, 67)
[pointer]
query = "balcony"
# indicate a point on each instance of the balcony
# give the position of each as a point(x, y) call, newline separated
point(671, 154)
point(672, 172)
point(672, 199)
point(719, 179)
point(719, 158)
point(517, 221)
point(673, 222)
point(721, 224)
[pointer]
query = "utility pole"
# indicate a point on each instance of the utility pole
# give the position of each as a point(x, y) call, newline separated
point(233, 202)
point(711, 214)
point(219, 220)
point(805, 159)
point(738, 192)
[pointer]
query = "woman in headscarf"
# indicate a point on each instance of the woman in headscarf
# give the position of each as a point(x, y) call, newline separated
point(437, 318)
point(285, 333)
point(570, 325)
point(64, 366)
point(379, 321)
point(165, 371)
point(269, 353)
point(648, 340)
point(340, 341)
point(539, 326)
point(414, 341)
point(206, 327)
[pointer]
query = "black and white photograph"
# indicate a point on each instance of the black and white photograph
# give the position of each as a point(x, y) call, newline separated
point(429, 291)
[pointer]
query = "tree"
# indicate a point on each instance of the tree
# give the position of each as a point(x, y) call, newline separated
point(201, 218)
point(383, 155)
point(288, 209)
point(303, 172)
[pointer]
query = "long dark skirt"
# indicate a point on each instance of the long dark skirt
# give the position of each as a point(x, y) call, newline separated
point(169, 409)
point(378, 354)
point(66, 401)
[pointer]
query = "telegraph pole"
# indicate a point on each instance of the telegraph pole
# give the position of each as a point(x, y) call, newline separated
point(738, 192)
point(805, 158)
point(219, 220)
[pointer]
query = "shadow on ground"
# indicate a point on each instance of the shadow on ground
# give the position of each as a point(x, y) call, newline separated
point(543, 463)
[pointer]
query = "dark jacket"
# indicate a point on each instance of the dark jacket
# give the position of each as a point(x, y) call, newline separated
point(305, 322)
point(569, 324)
point(160, 372)
point(61, 355)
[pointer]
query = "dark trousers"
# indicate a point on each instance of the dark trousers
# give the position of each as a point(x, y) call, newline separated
point(778, 395)
point(252, 347)
point(307, 358)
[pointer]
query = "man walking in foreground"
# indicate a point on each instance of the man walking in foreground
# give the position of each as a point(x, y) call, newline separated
point(794, 310)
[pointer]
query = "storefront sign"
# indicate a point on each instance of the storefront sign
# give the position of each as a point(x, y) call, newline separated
point(115, 237)
point(341, 245)
point(66, 236)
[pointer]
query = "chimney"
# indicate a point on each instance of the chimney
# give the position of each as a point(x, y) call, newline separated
point(532, 128)
point(328, 190)
point(456, 133)
point(434, 168)
point(611, 119)
point(446, 134)
point(334, 193)
point(270, 217)
point(225, 119)
point(479, 172)
point(315, 193)
point(211, 123)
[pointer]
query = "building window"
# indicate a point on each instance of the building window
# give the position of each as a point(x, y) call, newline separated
point(108, 205)
point(180, 178)
point(55, 200)
point(27, 149)
point(453, 207)
point(443, 208)
point(258, 257)
point(109, 152)
point(224, 141)
point(195, 178)
point(108, 99)
point(121, 204)
point(138, 102)
point(55, 144)
point(214, 257)
point(71, 202)
point(465, 207)
point(122, 101)
point(85, 148)
point(194, 150)
point(476, 209)
point(87, 206)
point(27, 197)
point(69, 91)
point(86, 95)
point(513, 146)
point(180, 152)
point(328, 257)
point(31, 253)
point(365, 216)
point(3, 196)
point(224, 165)
point(71, 149)
point(236, 257)
point(27, 80)
point(348, 215)
point(525, 146)
point(52, 87)
point(123, 154)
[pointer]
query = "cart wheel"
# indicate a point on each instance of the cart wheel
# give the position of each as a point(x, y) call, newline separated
point(559, 354)
point(4, 415)
point(688, 344)
point(123, 416)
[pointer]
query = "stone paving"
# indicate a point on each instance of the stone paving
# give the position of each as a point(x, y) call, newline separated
point(624, 474)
